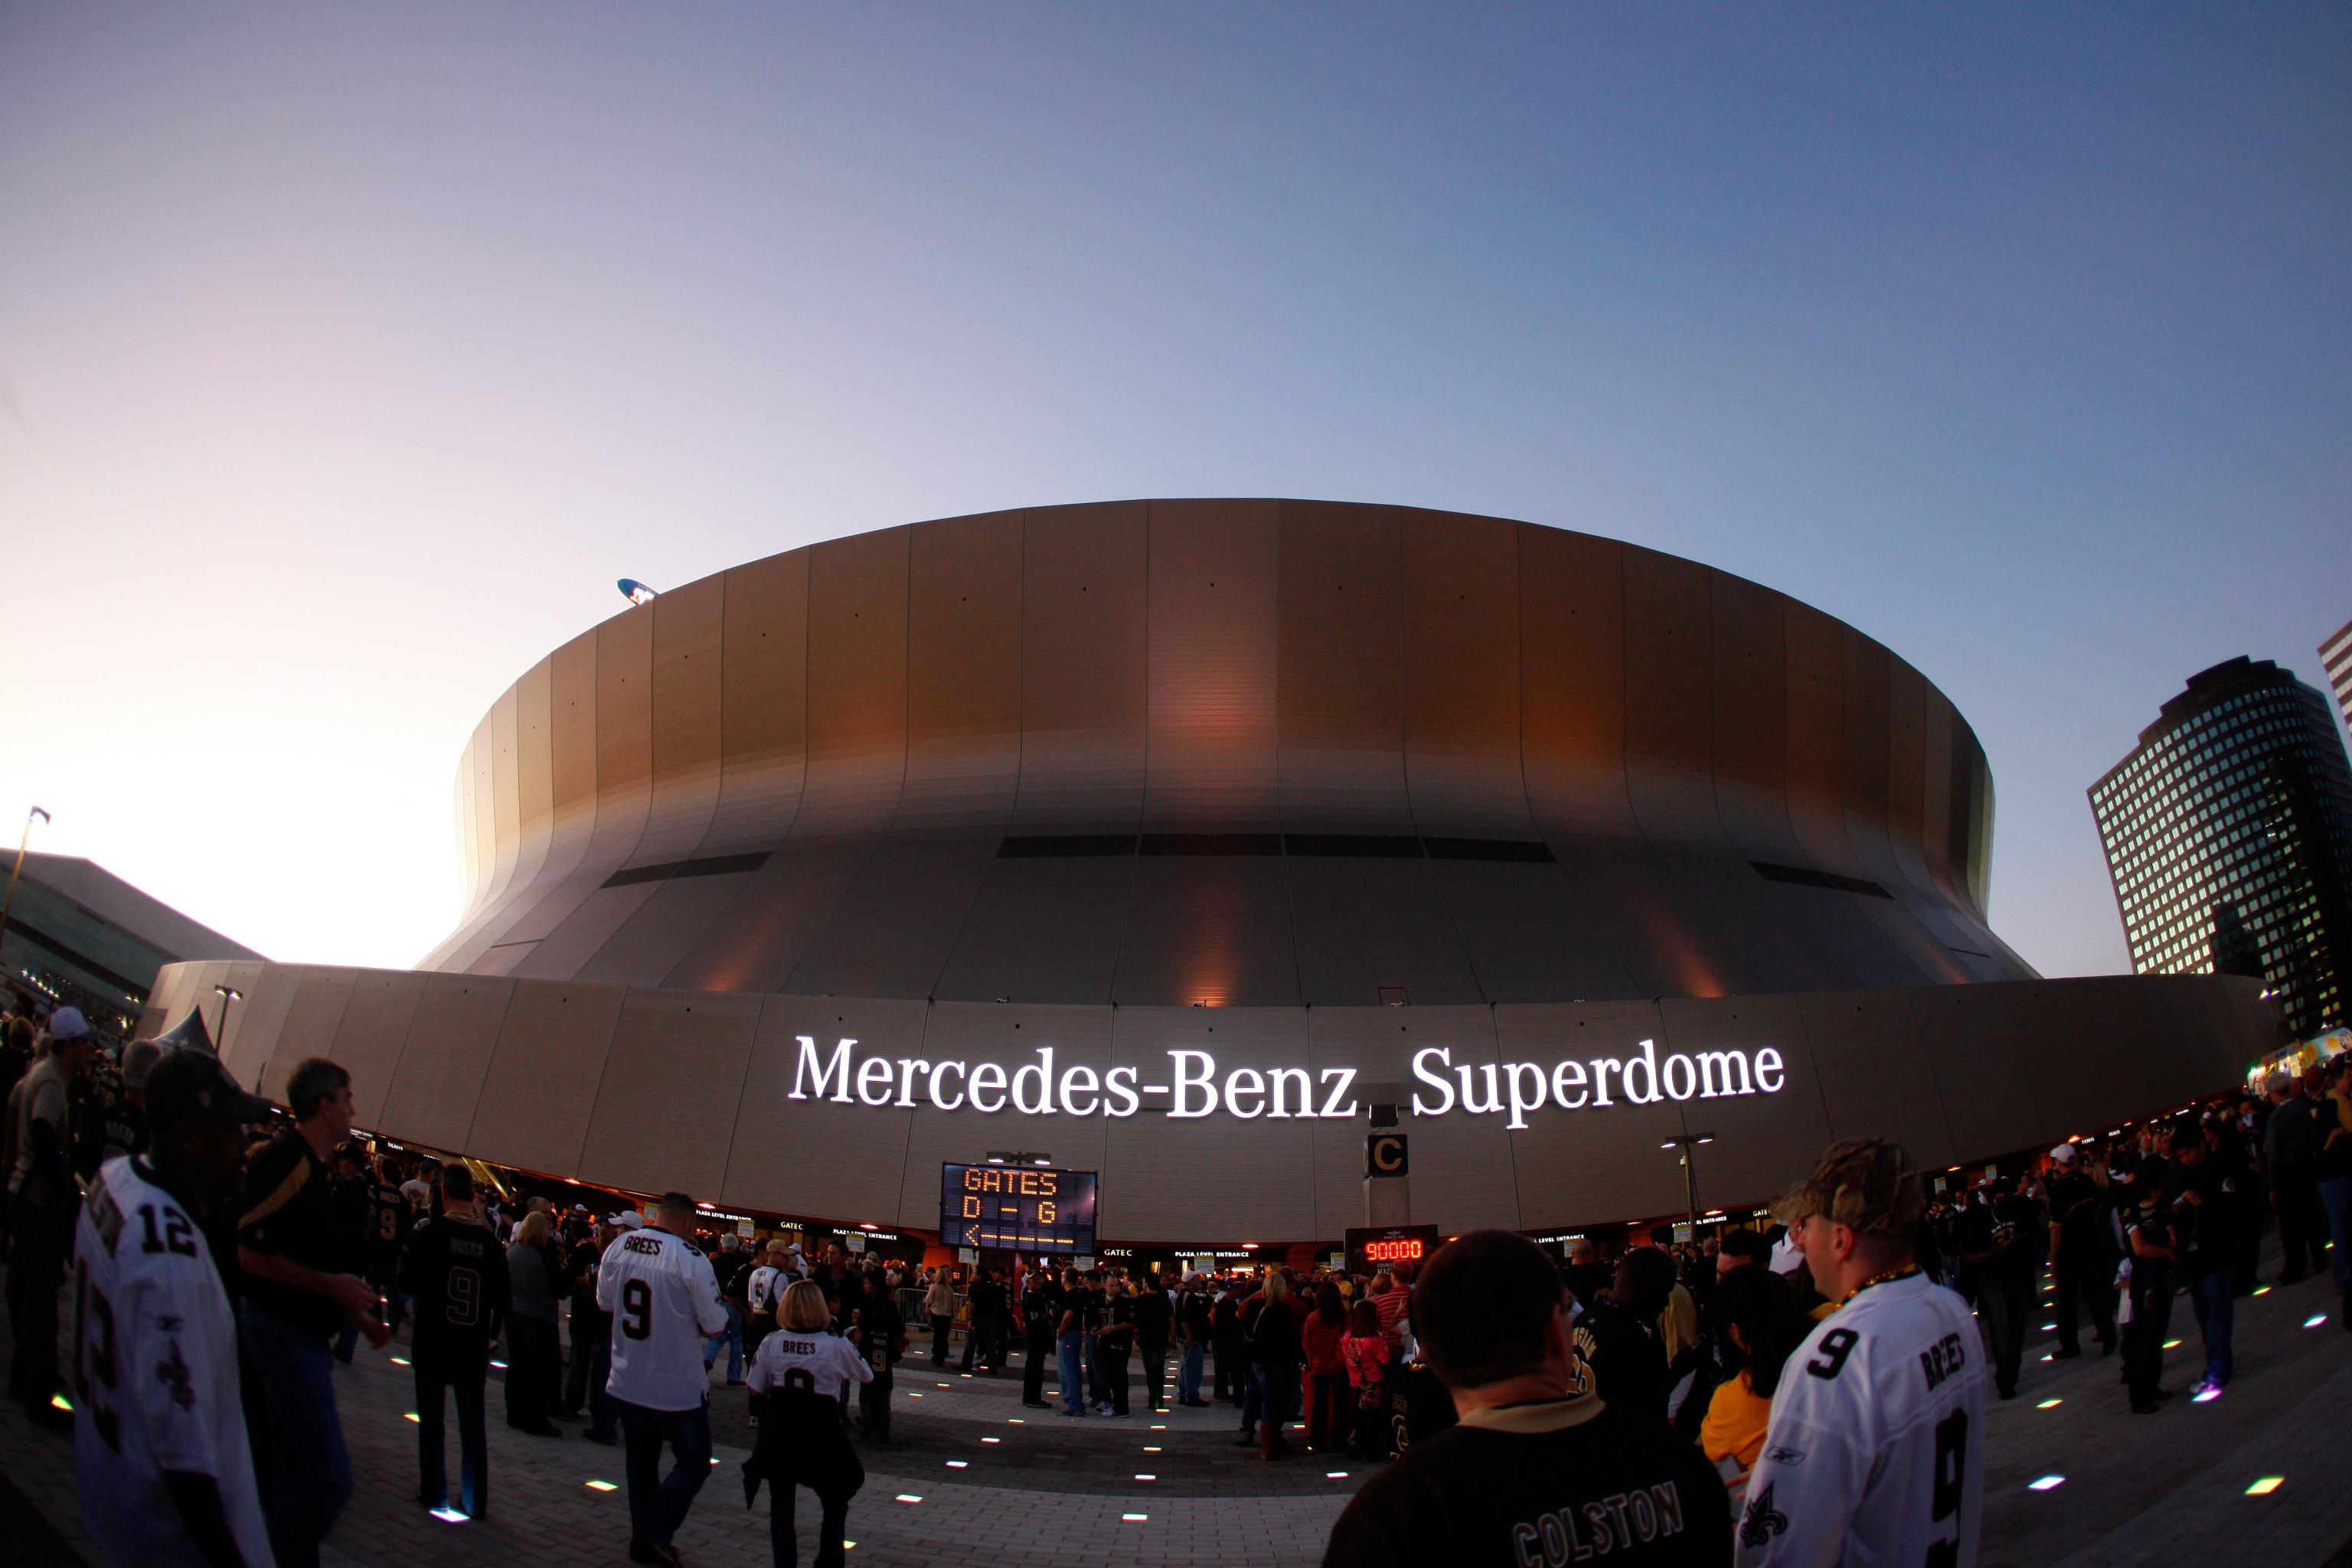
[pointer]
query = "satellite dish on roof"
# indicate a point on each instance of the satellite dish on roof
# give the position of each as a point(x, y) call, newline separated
point(637, 592)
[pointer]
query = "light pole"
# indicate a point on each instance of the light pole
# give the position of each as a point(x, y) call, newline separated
point(1686, 1143)
point(228, 994)
point(24, 838)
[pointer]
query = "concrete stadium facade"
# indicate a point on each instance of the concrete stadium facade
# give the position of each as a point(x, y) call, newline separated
point(1158, 826)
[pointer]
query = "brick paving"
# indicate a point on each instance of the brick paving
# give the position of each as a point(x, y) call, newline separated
point(1053, 1490)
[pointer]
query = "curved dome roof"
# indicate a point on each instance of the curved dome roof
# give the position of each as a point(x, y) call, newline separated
point(1231, 752)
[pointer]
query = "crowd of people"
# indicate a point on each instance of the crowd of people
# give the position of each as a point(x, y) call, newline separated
point(1810, 1391)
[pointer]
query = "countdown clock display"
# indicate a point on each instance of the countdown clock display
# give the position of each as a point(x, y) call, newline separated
point(1369, 1250)
point(1017, 1208)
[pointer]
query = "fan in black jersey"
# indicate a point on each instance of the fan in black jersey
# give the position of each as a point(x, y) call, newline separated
point(456, 1271)
point(880, 1336)
point(1539, 1468)
point(390, 1220)
point(801, 1441)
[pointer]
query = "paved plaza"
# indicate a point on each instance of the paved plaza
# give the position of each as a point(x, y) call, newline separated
point(974, 1477)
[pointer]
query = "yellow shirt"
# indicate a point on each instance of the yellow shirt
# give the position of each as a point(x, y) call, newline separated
point(1735, 1419)
point(1823, 1311)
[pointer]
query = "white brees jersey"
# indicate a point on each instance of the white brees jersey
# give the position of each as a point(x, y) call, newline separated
point(820, 1363)
point(663, 1300)
point(155, 1375)
point(1875, 1453)
point(761, 1290)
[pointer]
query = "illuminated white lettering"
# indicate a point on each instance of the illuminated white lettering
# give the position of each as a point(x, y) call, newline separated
point(1077, 1081)
point(1493, 1089)
point(1186, 1081)
point(873, 1080)
point(1529, 1099)
point(1435, 1080)
point(1119, 1082)
point(988, 1077)
point(837, 1063)
point(1648, 1066)
point(1769, 1072)
point(1689, 1078)
point(1602, 1068)
point(1044, 1068)
point(908, 1067)
point(1727, 1068)
point(1565, 1076)
point(1331, 1106)
point(956, 1067)
point(1244, 1081)
point(1280, 1079)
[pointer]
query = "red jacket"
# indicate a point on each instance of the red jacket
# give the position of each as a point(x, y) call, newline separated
point(1322, 1341)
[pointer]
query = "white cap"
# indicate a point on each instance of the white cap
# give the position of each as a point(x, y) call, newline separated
point(2065, 1154)
point(66, 1024)
point(627, 1219)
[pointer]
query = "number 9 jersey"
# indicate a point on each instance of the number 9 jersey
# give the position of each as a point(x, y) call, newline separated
point(664, 1299)
point(1875, 1452)
point(155, 1375)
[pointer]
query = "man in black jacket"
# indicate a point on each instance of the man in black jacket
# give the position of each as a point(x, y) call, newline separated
point(1041, 1312)
point(991, 1310)
point(2081, 1253)
point(592, 1341)
point(1155, 1315)
point(2205, 1219)
point(1537, 1469)
point(457, 1272)
point(1617, 1338)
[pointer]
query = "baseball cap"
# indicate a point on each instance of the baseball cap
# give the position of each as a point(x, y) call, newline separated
point(1869, 1184)
point(193, 1083)
point(2064, 1155)
point(66, 1024)
point(627, 1219)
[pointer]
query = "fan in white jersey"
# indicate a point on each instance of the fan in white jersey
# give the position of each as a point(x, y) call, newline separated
point(164, 1468)
point(1875, 1452)
point(795, 1376)
point(663, 1300)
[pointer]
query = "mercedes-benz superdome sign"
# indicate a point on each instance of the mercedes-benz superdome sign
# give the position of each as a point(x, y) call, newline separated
point(1195, 1088)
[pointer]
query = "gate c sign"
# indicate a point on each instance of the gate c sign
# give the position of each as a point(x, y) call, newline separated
point(1384, 1155)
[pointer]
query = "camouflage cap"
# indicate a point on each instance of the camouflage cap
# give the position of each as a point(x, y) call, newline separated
point(1868, 1183)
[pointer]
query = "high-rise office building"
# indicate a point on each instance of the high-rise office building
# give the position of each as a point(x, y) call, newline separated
point(2336, 653)
point(2228, 832)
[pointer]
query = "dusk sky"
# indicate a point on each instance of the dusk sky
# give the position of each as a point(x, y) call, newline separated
point(348, 354)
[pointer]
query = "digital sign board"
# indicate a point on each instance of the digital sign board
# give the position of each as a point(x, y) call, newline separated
point(1384, 1247)
point(1017, 1208)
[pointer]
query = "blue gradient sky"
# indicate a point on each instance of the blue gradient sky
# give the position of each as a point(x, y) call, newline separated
point(347, 354)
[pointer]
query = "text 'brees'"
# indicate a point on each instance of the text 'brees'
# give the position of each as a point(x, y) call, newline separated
point(1196, 1089)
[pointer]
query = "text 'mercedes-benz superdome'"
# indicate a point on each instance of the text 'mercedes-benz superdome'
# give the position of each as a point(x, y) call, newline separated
point(1170, 835)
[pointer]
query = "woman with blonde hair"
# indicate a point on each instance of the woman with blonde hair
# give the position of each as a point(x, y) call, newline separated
point(1274, 1356)
point(534, 1367)
point(794, 1376)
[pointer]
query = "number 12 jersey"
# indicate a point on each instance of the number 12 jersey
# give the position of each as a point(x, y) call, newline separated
point(155, 1381)
point(1875, 1453)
